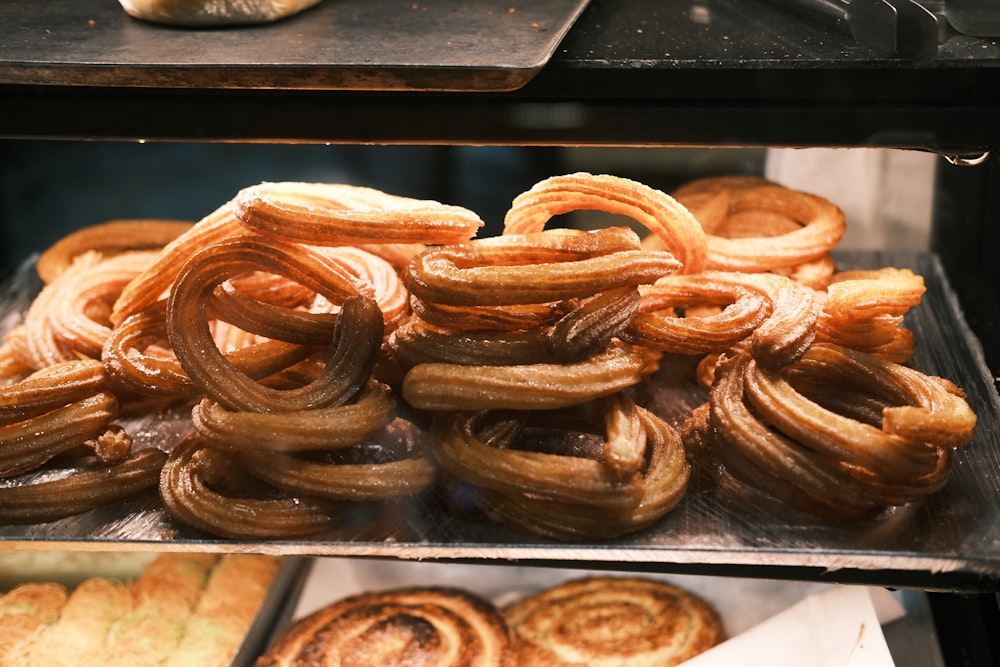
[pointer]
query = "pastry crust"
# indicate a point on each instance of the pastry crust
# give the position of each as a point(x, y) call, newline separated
point(407, 626)
point(234, 591)
point(214, 12)
point(77, 636)
point(611, 622)
point(27, 609)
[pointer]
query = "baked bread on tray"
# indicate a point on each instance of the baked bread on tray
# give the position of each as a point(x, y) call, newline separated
point(214, 12)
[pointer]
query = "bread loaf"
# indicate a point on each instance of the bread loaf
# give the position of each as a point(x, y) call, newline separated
point(214, 12)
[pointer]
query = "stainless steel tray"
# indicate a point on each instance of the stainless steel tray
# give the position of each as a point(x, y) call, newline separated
point(275, 611)
point(951, 541)
point(439, 45)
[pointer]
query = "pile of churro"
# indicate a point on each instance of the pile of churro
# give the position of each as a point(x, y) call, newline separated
point(335, 345)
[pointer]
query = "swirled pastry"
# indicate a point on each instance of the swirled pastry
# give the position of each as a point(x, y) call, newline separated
point(438, 626)
point(612, 621)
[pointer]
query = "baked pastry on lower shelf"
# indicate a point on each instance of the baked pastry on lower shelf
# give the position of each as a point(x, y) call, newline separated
point(612, 621)
point(406, 626)
point(28, 609)
point(183, 609)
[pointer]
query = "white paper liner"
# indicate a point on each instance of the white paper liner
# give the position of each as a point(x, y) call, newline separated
point(838, 627)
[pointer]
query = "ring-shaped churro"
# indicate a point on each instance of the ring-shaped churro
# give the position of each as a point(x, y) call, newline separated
point(864, 310)
point(774, 313)
point(39, 344)
point(108, 238)
point(27, 444)
point(531, 269)
point(303, 430)
point(490, 318)
point(357, 338)
point(660, 213)
point(831, 434)
point(337, 481)
point(815, 273)
point(441, 386)
point(861, 294)
point(654, 491)
point(585, 330)
point(657, 324)
point(50, 388)
point(821, 227)
point(926, 409)
point(91, 488)
point(136, 361)
point(758, 455)
point(755, 225)
point(154, 283)
point(187, 496)
point(418, 343)
point(568, 478)
point(337, 214)
point(79, 313)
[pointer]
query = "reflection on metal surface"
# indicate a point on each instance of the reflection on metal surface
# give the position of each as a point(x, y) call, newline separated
point(967, 160)
point(554, 116)
point(700, 12)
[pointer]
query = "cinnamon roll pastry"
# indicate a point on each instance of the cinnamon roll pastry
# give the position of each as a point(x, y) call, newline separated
point(612, 621)
point(438, 626)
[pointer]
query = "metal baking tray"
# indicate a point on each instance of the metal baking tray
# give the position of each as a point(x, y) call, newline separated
point(427, 45)
point(950, 541)
point(275, 611)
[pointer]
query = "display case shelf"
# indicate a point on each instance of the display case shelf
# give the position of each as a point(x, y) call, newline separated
point(948, 541)
point(631, 72)
point(627, 73)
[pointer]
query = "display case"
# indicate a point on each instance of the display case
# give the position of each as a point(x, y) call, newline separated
point(630, 73)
